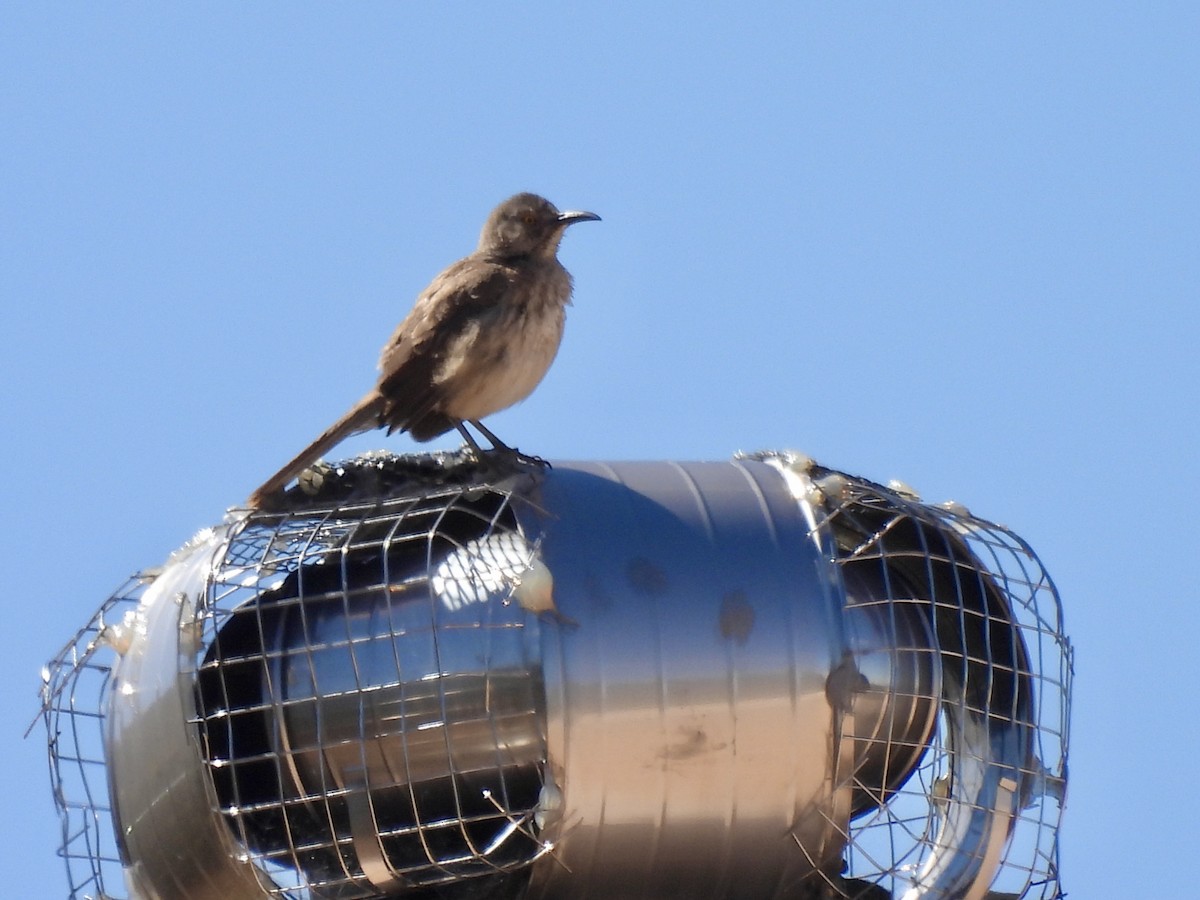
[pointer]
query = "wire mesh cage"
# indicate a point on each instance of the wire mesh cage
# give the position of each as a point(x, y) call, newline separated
point(992, 750)
point(75, 685)
point(561, 685)
point(344, 654)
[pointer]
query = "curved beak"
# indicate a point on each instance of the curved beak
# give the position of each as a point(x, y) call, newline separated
point(571, 216)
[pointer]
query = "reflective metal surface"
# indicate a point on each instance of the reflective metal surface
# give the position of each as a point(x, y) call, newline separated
point(174, 850)
point(953, 620)
point(400, 709)
point(689, 725)
point(746, 679)
point(370, 697)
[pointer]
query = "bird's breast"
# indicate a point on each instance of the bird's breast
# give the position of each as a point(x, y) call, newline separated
point(501, 356)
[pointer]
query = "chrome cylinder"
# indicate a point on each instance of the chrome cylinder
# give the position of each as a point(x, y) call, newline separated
point(636, 680)
point(688, 720)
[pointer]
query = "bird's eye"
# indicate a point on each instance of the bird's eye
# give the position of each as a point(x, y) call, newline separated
point(528, 217)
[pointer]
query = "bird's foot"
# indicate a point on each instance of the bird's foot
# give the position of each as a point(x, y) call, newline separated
point(500, 451)
point(525, 459)
point(509, 458)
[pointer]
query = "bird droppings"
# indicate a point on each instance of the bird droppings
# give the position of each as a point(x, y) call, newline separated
point(791, 460)
point(549, 806)
point(534, 592)
point(121, 636)
point(646, 578)
point(955, 508)
point(795, 467)
point(904, 489)
point(831, 488)
point(311, 479)
point(736, 618)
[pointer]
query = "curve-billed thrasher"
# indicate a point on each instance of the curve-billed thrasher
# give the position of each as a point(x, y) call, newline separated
point(479, 338)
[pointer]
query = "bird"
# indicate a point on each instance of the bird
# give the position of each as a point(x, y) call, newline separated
point(478, 339)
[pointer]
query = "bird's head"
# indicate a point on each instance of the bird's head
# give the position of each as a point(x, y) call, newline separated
point(527, 225)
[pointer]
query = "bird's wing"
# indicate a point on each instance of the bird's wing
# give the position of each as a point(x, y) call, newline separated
point(412, 357)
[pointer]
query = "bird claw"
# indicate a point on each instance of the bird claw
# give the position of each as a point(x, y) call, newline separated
point(513, 457)
point(509, 454)
point(526, 460)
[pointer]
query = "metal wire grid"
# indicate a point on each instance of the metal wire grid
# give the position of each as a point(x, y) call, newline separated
point(892, 832)
point(1011, 662)
point(75, 687)
point(365, 668)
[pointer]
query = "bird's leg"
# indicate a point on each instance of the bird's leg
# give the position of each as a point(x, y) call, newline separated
point(462, 429)
point(502, 447)
point(495, 441)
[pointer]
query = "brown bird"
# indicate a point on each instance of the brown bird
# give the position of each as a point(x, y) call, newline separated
point(479, 338)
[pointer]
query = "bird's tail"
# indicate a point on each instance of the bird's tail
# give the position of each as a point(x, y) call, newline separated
point(362, 416)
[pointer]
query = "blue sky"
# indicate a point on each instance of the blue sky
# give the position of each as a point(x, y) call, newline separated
point(958, 246)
